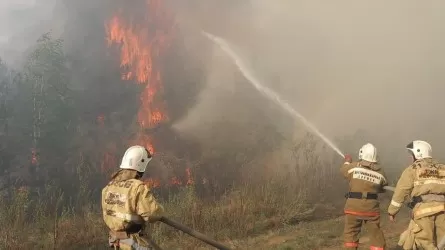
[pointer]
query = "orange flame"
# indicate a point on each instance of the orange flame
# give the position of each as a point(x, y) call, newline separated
point(190, 181)
point(153, 183)
point(34, 157)
point(145, 141)
point(174, 181)
point(141, 50)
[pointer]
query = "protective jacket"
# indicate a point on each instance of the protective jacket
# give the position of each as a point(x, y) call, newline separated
point(127, 203)
point(366, 180)
point(424, 181)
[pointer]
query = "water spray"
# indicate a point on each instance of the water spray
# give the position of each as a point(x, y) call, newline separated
point(270, 94)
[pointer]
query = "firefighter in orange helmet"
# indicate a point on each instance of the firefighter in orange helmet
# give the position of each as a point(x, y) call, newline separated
point(366, 179)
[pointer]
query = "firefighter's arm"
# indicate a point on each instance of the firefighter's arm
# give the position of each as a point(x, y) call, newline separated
point(344, 169)
point(146, 205)
point(403, 189)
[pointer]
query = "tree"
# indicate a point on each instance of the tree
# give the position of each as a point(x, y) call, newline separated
point(44, 117)
point(5, 115)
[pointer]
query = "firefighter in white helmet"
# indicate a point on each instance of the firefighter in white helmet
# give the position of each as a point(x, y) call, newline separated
point(366, 179)
point(128, 204)
point(424, 182)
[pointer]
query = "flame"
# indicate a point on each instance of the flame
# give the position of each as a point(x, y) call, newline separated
point(141, 51)
point(143, 140)
point(174, 181)
point(135, 54)
point(34, 157)
point(188, 172)
point(153, 183)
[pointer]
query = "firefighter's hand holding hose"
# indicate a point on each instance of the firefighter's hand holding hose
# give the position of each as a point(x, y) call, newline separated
point(348, 158)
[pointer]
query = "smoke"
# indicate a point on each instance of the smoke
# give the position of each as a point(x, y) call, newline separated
point(21, 23)
point(228, 107)
point(373, 68)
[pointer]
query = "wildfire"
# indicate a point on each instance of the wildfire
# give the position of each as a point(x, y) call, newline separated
point(153, 183)
point(190, 181)
point(174, 181)
point(141, 52)
point(34, 157)
point(142, 47)
point(145, 141)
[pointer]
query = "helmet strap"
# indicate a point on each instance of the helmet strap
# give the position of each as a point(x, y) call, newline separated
point(412, 155)
point(139, 175)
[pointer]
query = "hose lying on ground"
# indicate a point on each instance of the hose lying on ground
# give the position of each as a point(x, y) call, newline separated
point(205, 238)
point(193, 233)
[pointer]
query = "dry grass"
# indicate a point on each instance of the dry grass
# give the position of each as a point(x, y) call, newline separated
point(49, 219)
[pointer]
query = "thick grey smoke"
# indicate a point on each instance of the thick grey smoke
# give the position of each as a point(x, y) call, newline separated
point(348, 66)
point(21, 23)
point(352, 65)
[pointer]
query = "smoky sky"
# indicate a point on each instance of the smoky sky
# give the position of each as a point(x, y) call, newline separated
point(368, 67)
point(373, 67)
point(21, 23)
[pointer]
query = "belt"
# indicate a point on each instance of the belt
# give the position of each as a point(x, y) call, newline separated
point(426, 198)
point(359, 195)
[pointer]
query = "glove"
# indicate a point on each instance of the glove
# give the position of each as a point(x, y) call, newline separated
point(348, 158)
point(154, 218)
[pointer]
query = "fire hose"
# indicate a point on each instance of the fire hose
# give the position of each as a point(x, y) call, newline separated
point(220, 246)
point(193, 233)
point(205, 238)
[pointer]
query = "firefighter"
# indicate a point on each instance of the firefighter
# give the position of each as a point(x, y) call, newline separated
point(424, 182)
point(128, 204)
point(366, 179)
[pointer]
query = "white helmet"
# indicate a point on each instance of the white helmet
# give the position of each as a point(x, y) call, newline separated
point(420, 149)
point(136, 158)
point(368, 153)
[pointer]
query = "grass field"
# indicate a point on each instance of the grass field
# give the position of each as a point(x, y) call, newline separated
point(267, 216)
